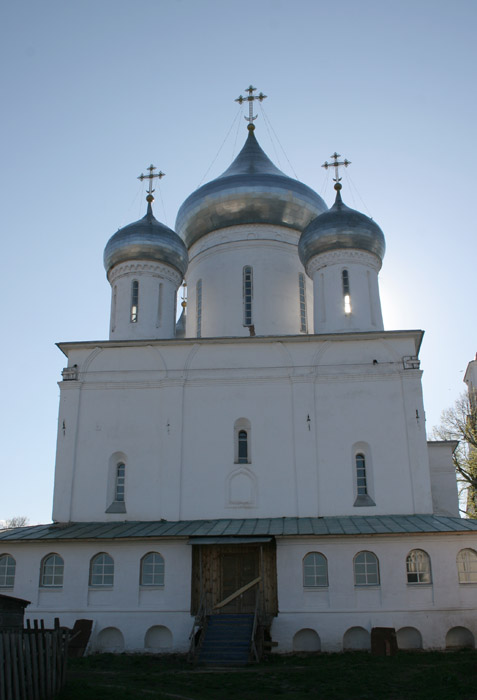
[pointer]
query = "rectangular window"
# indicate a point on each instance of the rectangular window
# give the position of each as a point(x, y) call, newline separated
point(346, 292)
point(134, 301)
point(361, 485)
point(198, 303)
point(247, 295)
point(120, 481)
point(301, 280)
point(159, 307)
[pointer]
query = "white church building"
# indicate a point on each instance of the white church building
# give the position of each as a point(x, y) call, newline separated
point(266, 455)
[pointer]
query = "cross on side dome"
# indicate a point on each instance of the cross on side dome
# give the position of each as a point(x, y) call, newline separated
point(336, 165)
point(150, 177)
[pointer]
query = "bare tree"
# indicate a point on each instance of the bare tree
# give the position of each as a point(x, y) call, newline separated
point(17, 521)
point(460, 423)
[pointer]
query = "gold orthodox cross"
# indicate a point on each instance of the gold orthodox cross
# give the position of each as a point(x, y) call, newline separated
point(250, 99)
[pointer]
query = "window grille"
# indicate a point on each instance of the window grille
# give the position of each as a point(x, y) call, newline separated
point(302, 285)
point(247, 295)
point(119, 491)
point(101, 571)
point(198, 302)
point(52, 569)
point(152, 570)
point(7, 571)
point(366, 569)
point(242, 447)
point(361, 484)
point(315, 570)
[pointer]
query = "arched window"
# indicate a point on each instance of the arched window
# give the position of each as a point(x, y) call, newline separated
point(7, 571)
point(467, 566)
point(315, 570)
point(362, 476)
point(134, 301)
point(116, 485)
point(366, 569)
point(51, 573)
point(198, 303)
point(152, 570)
point(346, 291)
point(119, 487)
point(302, 287)
point(101, 572)
point(242, 447)
point(247, 295)
point(418, 567)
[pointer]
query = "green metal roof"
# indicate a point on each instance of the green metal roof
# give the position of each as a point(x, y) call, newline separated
point(245, 527)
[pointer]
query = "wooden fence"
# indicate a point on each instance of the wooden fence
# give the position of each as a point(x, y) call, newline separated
point(32, 663)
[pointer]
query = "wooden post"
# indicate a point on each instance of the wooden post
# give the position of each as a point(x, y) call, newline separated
point(8, 665)
point(21, 665)
point(34, 666)
point(28, 667)
point(2, 669)
point(15, 661)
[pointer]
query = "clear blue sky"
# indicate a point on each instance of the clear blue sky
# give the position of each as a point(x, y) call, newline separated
point(93, 91)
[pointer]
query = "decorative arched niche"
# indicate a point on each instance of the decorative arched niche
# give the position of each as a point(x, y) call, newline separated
point(241, 488)
point(111, 640)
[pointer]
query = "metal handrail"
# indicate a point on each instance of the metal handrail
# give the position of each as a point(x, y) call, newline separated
point(197, 624)
point(255, 625)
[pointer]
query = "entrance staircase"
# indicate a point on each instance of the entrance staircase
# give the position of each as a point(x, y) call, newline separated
point(227, 640)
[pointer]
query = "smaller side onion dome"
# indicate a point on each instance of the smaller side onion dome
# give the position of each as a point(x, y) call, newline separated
point(340, 228)
point(146, 239)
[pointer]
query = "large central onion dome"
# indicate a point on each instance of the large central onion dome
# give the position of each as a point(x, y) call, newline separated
point(251, 191)
point(146, 239)
point(340, 228)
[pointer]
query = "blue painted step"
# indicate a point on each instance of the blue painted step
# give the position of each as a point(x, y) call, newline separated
point(227, 640)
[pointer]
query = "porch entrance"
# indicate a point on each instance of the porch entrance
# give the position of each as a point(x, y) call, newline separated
point(238, 570)
point(234, 578)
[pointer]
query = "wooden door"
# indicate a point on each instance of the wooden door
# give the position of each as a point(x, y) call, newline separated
point(237, 570)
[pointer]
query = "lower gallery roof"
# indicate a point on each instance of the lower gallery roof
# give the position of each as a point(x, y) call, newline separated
point(244, 527)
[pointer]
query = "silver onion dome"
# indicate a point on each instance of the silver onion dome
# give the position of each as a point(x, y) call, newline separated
point(251, 191)
point(340, 227)
point(146, 239)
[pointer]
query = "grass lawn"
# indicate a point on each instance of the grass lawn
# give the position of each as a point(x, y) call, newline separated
point(349, 676)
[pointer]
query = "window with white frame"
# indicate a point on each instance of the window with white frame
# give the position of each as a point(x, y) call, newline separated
point(366, 569)
point(7, 571)
point(101, 572)
point(119, 485)
point(52, 569)
point(198, 304)
point(247, 293)
point(134, 301)
point(152, 570)
point(315, 570)
point(418, 567)
point(302, 287)
point(467, 566)
point(346, 291)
